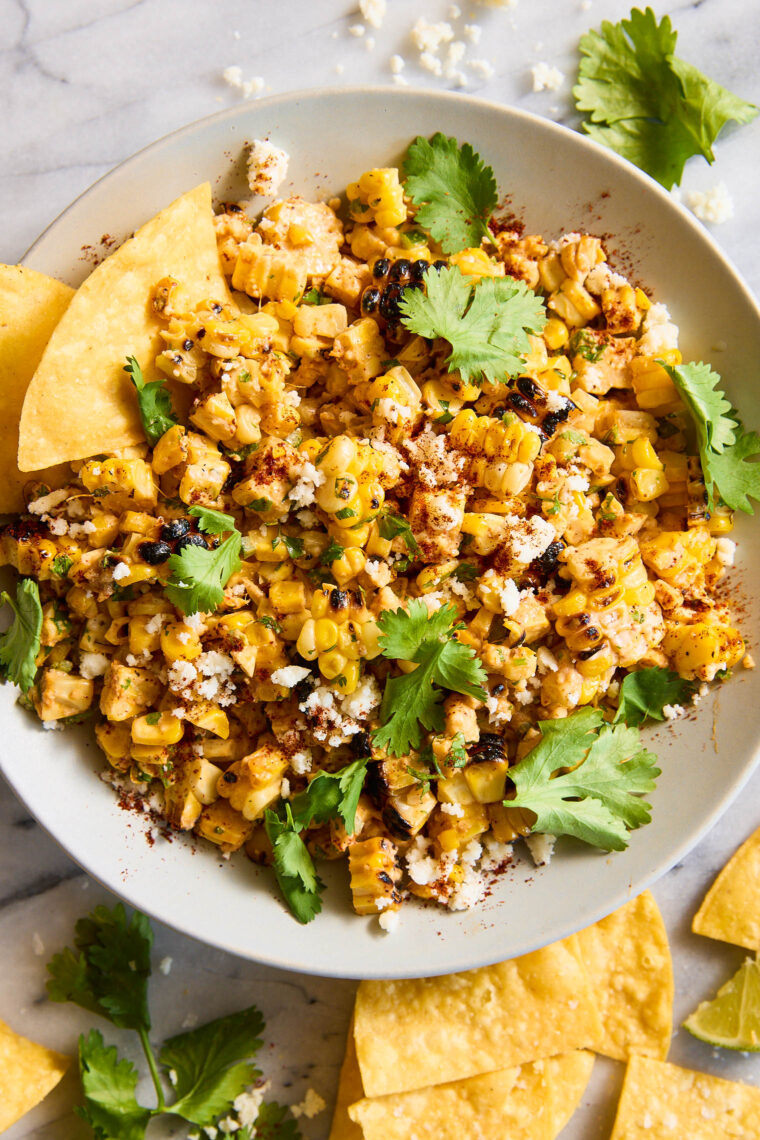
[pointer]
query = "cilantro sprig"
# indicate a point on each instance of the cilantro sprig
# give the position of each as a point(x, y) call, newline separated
point(726, 450)
point(486, 324)
point(153, 400)
point(20, 643)
point(198, 575)
point(394, 526)
point(329, 795)
point(414, 700)
point(207, 1068)
point(598, 798)
point(453, 190)
point(645, 693)
point(647, 105)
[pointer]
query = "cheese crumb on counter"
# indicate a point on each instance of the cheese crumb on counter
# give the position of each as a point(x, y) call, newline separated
point(373, 11)
point(546, 77)
point(233, 77)
point(482, 68)
point(267, 167)
point(428, 37)
point(712, 206)
point(397, 63)
point(311, 1105)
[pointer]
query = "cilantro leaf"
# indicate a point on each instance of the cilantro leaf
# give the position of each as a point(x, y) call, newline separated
point(645, 692)
point(415, 698)
point(198, 576)
point(293, 866)
point(486, 324)
point(272, 1125)
point(333, 552)
point(331, 794)
point(110, 974)
point(598, 800)
point(393, 526)
point(212, 1065)
point(725, 448)
point(650, 107)
point(62, 564)
point(20, 643)
point(153, 401)
point(109, 1084)
point(212, 522)
point(294, 546)
point(453, 190)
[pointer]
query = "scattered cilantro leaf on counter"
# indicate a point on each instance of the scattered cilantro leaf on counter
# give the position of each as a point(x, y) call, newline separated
point(486, 324)
point(198, 576)
point(154, 402)
point(212, 1064)
point(598, 800)
point(20, 643)
point(647, 105)
point(109, 1084)
point(393, 526)
point(645, 693)
point(328, 796)
point(725, 448)
point(453, 190)
point(207, 1068)
point(443, 662)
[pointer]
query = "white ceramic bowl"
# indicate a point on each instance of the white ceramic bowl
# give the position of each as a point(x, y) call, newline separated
point(556, 181)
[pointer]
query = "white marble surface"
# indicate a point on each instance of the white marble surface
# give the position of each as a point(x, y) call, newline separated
point(85, 83)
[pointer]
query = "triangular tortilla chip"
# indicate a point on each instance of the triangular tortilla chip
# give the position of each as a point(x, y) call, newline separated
point(350, 1090)
point(80, 401)
point(661, 1101)
point(730, 911)
point(475, 1022)
point(628, 956)
point(27, 1074)
point(532, 1102)
point(31, 305)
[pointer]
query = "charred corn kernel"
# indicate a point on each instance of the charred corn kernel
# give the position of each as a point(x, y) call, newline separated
point(253, 784)
point(332, 664)
point(701, 650)
point(453, 833)
point(209, 717)
point(476, 263)
point(115, 741)
point(351, 563)
point(594, 668)
point(158, 728)
point(655, 391)
point(374, 872)
point(382, 196)
point(338, 492)
point(222, 825)
point(132, 477)
point(137, 522)
point(263, 271)
point(179, 642)
point(555, 333)
point(287, 597)
point(487, 780)
point(340, 455)
point(648, 485)
point(573, 304)
point(57, 695)
point(507, 439)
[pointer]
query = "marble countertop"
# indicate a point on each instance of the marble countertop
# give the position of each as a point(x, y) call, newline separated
point(85, 84)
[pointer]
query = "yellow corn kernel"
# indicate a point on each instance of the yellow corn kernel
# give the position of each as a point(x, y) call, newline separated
point(555, 334)
point(157, 729)
point(179, 642)
point(374, 873)
point(642, 301)
point(222, 825)
point(287, 597)
point(476, 263)
point(205, 715)
point(332, 664)
point(351, 563)
point(647, 485)
point(325, 635)
point(115, 741)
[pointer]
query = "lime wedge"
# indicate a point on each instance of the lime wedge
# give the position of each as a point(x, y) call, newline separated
point(732, 1019)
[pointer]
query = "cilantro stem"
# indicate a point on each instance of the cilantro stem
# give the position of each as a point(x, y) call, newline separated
point(147, 1050)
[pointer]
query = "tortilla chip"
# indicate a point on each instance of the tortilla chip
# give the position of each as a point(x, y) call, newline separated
point(80, 401)
point(730, 911)
point(31, 305)
point(628, 956)
point(428, 1031)
point(350, 1090)
point(531, 1102)
point(661, 1101)
point(27, 1074)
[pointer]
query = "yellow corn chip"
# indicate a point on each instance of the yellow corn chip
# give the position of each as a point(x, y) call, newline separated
point(27, 1074)
point(661, 1101)
point(730, 911)
point(428, 1031)
point(530, 1102)
point(628, 956)
point(80, 401)
point(31, 305)
point(350, 1090)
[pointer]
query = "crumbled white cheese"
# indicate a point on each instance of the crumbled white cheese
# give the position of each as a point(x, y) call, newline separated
point(435, 462)
point(496, 853)
point(247, 1104)
point(120, 571)
point(373, 11)
point(530, 539)
point(183, 636)
point(397, 63)
point(659, 334)
point(497, 715)
point(428, 37)
point(470, 891)
point(330, 725)
point(498, 3)
point(47, 502)
point(472, 32)
point(311, 1105)
point(577, 483)
point(307, 519)
point(546, 662)
point(482, 68)
point(302, 494)
point(546, 77)
point(229, 1125)
point(356, 30)
point(77, 529)
point(267, 167)
point(155, 623)
point(285, 789)
point(366, 697)
point(713, 206)
point(454, 12)
point(181, 675)
point(388, 921)
point(58, 527)
point(52, 726)
point(400, 81)
point(672, 712)
point(301, 762)
point(92, 665)
point(452, 809)
point(386, 408)
point(289, 675)
point(339, 68)
point(195, 621)
point(725, 551)
point(541, 848)
point(379, 573)
point(165, 965)
point(233, 77)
